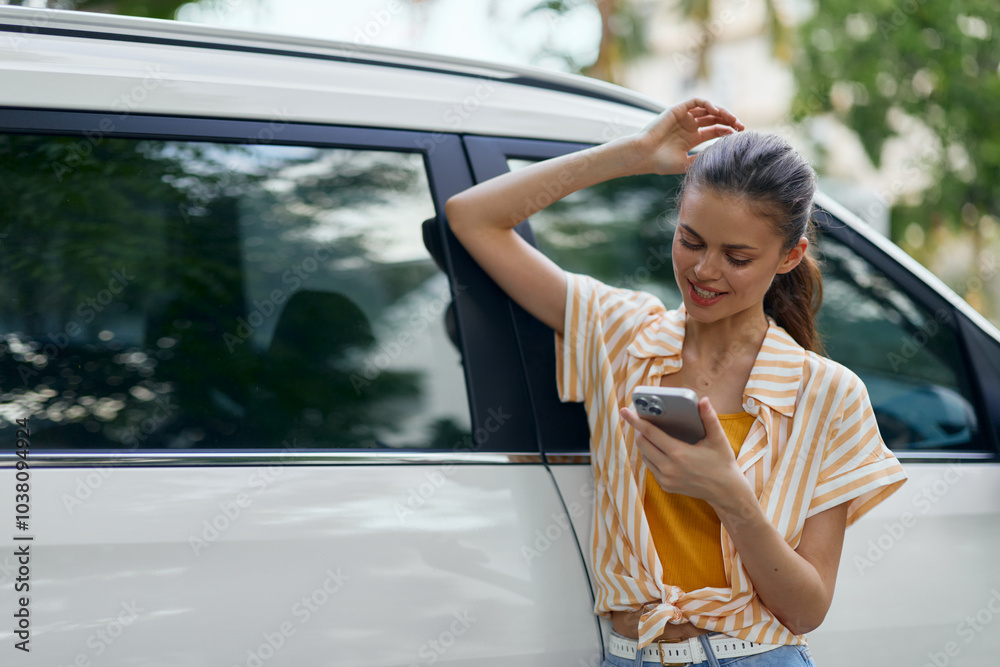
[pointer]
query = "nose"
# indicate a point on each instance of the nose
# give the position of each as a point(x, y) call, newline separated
point(707, 268)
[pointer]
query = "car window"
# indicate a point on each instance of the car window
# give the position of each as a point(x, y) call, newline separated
point(620, 232)
point(908, 356)
point(169, 294)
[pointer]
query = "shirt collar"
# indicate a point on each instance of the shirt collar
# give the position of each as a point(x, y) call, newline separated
point(777, 371)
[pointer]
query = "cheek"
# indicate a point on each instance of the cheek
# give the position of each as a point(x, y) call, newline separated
point(680, 254)
point(753, 279)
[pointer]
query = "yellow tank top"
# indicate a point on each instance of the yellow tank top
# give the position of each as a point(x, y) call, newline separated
point(686, 530)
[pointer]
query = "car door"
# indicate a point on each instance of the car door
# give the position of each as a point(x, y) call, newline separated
point(916, 582)
point(260, 412)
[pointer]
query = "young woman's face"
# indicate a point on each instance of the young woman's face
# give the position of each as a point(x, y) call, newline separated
point(725, 256)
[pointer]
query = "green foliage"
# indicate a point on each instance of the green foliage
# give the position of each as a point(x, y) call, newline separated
point(138, 274)
point(876, 63)
point(624, 35)
point(154, 9)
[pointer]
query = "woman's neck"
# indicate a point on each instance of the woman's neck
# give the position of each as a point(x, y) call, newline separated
point(739, 334)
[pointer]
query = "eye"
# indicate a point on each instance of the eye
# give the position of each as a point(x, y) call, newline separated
point(738, 262)
point(689, 244)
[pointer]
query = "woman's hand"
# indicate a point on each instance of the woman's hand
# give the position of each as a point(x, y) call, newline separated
point(662, 146)
point(706, 469)
point(796, 585)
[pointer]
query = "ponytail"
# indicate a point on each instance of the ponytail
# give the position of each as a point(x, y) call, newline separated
point(793, 301)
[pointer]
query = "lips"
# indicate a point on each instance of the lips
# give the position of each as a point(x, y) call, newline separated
point(703, 296)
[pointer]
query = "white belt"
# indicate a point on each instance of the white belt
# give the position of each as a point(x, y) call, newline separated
point(686, 651)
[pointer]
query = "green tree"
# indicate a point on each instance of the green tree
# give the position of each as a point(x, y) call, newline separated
point(623, 34)
point(937, 62)
point(625, 38)
point(157, 9)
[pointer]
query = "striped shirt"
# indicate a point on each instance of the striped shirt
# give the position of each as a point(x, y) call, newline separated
point(814, 444)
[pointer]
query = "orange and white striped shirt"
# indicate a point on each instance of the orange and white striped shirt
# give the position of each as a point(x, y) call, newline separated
point(814, 444)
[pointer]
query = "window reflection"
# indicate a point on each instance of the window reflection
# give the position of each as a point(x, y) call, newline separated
point(183, 294)
point(908, 357)
point(620, 232)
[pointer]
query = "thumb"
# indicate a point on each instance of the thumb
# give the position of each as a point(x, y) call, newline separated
point(709, 418)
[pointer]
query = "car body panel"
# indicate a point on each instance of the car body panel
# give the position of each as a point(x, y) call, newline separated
point(942, 524)
point(378, 565)
point(131, 76)
point(915, 569)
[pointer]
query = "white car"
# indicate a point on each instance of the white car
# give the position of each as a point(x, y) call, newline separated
point(259, 407)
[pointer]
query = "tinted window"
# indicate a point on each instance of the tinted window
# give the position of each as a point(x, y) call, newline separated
point(908, 356)
point(620, 232)
point(182, 294)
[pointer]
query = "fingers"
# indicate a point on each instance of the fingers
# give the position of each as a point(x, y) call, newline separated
point(713, 427)
point(632, 418)
point(658, 454)
point(705, 113)
point(661, 440)
point(714, 132)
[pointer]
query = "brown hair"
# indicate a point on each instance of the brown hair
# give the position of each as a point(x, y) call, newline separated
point(767, 173)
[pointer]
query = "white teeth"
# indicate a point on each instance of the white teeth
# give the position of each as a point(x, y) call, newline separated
point(703, 293)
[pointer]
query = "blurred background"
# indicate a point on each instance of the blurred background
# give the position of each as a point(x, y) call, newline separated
point(893, 101)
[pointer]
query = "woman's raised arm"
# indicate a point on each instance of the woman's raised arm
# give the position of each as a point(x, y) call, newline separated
point(483, 217)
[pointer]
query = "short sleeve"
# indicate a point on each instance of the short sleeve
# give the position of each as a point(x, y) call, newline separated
point(600, 320)
point(857, 466)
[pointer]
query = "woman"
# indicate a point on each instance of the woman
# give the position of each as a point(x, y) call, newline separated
point(729, 548)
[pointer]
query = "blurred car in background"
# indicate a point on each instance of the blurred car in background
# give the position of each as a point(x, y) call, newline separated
point(277, 415)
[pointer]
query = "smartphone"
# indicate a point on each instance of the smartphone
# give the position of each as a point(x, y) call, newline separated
point(672, 410)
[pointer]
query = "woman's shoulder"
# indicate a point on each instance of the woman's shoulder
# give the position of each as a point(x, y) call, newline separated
point(814, 365)
point(588, 287)
point(827, 375)
point(821, 362)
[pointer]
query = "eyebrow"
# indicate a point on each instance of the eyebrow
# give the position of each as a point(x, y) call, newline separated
point(728, 246)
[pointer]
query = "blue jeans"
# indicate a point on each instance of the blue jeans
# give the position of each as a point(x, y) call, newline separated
point(786, 656)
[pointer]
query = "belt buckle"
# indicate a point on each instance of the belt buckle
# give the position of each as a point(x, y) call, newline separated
point(659, 646)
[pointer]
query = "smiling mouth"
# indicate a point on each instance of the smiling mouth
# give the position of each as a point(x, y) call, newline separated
point(705, 294)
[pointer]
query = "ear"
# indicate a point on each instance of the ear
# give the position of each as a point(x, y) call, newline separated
point(794, 256)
